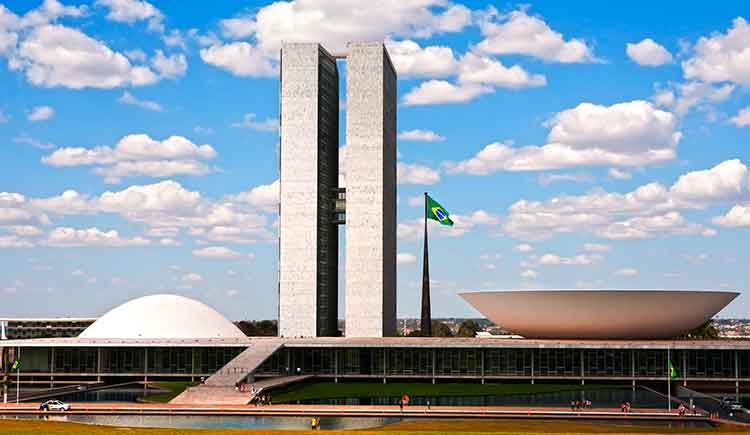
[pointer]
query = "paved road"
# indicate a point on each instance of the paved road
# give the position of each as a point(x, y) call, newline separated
point(359, 410)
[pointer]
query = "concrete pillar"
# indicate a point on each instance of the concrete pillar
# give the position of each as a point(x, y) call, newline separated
point(736, 376)
point(583, 371)
point(684, 368)
point(532, 366)
point(145, 371)
point(52, 369)
point(481, 355)
point(434, 364)
point(192, 364)
point(385, 365)
point(632, 366)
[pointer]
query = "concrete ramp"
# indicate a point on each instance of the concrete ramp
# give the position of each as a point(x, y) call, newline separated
point(245, 363)
point(221, 387)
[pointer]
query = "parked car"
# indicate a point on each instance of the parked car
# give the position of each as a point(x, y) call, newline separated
point(54, 405)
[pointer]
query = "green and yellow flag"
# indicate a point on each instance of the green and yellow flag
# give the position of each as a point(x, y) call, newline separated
point(436, 212)
point(672, 371)
point(16, 365)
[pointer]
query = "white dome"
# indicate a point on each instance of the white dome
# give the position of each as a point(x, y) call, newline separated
point(162, 316)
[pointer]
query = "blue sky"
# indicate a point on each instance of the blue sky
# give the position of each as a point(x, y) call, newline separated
point(585, 145)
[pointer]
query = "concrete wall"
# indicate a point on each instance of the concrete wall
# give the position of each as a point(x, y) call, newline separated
point(304, 195)
point(370, 192)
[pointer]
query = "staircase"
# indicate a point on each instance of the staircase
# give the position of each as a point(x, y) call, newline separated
point(220, 388)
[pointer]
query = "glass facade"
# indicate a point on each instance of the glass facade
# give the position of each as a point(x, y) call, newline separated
point(563, 363)
point(397, 362)
point(328, 181)
point(127, 360)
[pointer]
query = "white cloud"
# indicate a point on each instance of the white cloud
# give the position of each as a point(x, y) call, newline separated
point(742, 119)
point(203, 130)
point(24, 230)
point(411, 60)
point(519, 33)
point(265, 197)
point(50, 10)
point(529, 274)
point(487, 71)
point(334, 23)
point(737, 217)
point(523, 247)
point(166, 208)
point(137, 154)
point(55, 55)
point(41, 113)
point(14, 242)
point(722, 57)
point(239, 58)
point(414, 229)
point(217, 252)
point(71, 237)
point(442, 92)
point(416, 174)
point(551, 259)
point(681, 98)
point(405, 258)
point(649, 211)
point(192, 277)
point(648, 53)
point(169, 242)
point(547, 179)
point(136, 55)
point(169, 66)
point(416, 201)
point(420, 135)
point(36, 143)
point(249, 120)
point(726, 180)
point(596, 247)
point(625, 134)
point(619, 174)
point(130, 11)
point(627, 272)
point(4, 117)
point(128, 98)
point(476, 75)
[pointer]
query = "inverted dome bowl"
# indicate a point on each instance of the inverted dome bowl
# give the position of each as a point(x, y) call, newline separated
point(599, 314)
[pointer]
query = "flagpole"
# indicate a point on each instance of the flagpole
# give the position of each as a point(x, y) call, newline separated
point(18, 376)
point(426, 320)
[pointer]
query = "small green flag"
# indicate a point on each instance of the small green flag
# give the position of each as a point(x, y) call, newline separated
point(672, 371)
point(16, 365)
point(436, 212)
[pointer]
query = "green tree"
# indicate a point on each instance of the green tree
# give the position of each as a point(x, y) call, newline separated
point(468, 328)
point(706, 331)
point(440, 329)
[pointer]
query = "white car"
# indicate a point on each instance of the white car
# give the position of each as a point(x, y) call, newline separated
point(54, 405)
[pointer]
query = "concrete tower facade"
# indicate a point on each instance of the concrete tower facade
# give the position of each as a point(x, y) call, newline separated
point(308, 235)
point(370, 192)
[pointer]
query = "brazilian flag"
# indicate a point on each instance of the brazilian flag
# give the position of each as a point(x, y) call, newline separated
point(16, 365)
point(436, 212)
point(672, 371)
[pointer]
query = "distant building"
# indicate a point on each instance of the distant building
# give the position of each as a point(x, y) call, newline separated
point(20, 328)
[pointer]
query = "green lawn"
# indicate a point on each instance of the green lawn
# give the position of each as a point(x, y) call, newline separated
point(421, 427)
point(175, 388)
point(330, 390)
